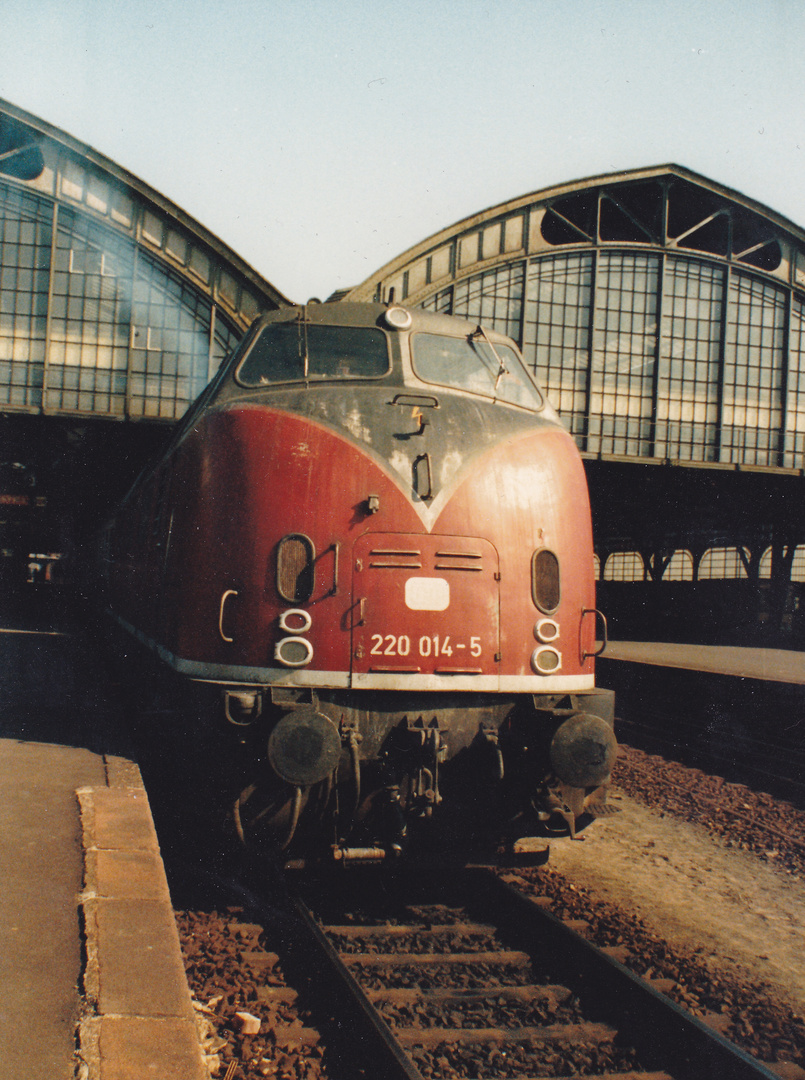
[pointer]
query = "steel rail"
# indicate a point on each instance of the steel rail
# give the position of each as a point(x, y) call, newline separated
point(357, 1035)
point(646, 1017)
point(335, 982)
point(661, 1031)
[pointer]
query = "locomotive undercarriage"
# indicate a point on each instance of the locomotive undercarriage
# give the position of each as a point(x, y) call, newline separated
point(332, 775)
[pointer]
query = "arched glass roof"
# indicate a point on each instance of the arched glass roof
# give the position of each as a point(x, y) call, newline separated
point(664, 313)
point(113, 301)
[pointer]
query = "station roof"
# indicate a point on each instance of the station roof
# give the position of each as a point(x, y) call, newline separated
point(39, 156)
point(665, 206)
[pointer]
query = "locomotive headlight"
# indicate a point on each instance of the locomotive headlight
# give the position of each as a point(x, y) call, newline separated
point(293, 652)
point(295, 621)
point(398, 317)
point(546, 660)
point(546, 630)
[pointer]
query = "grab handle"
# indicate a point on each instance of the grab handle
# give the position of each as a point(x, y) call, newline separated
point(335, 548)
point(599, 615)
point(423, 459)
point(224, 598)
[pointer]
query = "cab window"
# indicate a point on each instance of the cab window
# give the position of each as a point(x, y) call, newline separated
point(471, 363)
point(297, 351)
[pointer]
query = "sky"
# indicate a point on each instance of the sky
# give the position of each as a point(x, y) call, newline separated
point(320, 139)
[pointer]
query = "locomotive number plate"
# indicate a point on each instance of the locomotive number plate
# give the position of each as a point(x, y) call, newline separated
point(427, 645)
point(425, 604)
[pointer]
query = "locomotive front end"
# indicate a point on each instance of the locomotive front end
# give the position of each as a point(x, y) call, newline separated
point(435, 652)
point(380, 558)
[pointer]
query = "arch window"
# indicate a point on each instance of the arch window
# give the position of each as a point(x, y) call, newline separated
point(680, 567)
point(556, 331)
point(688, 377)
point(722, 563)
point(172, 356)
point(794, 450)
point(441, 302)
point(124, 341)
point(797, 564)
point(494, 298)
point(753, 372)
point(25, 240)
point(90, 315)
point(623, 354)
point(764, 567)
point(625, 566)
point(674, 355)
point(103, 327)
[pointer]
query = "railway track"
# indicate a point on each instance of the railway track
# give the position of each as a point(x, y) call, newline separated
point(486, 982)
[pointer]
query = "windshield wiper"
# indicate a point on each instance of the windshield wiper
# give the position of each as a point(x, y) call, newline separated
point(302, 342)
point(502, 369)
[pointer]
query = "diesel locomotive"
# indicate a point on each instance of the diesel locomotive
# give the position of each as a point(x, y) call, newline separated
point(368, 548)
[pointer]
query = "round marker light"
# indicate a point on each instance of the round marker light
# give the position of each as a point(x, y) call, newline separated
point(546, 661)
point(546, 630)
point(399, 318)
point(293, 652)
point(295, 621)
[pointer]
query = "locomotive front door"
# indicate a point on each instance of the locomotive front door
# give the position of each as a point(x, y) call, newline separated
point(425, 606)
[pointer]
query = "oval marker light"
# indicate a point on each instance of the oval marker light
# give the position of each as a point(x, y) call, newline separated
point(546, 661)
point(293, 652)
point(295, 621)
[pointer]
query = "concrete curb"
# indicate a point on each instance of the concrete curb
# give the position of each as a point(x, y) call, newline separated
point(138, 1020)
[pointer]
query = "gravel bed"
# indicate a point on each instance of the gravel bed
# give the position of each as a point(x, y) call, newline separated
point(754, 821)
point(220, 950)
point(749, 1015)
point(415, 942)
point(533, 1053)
point(499, 1013)
point(460, 977)
point(750, 1019)
point(230, 971)
point(500, 1061)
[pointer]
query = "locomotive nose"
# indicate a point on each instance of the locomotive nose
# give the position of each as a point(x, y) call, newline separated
point(583, 750)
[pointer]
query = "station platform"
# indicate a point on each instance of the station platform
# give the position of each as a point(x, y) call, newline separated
point(765, 665)
point(92, 984)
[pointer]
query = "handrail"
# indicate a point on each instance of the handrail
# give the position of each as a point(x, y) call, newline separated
point(224, 598)
point(598, 614)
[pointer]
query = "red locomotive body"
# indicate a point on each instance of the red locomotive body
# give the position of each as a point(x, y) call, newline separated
point(371, 538)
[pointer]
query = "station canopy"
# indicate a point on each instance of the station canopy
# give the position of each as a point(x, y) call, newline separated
point(114, 303)
point(663, 313)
